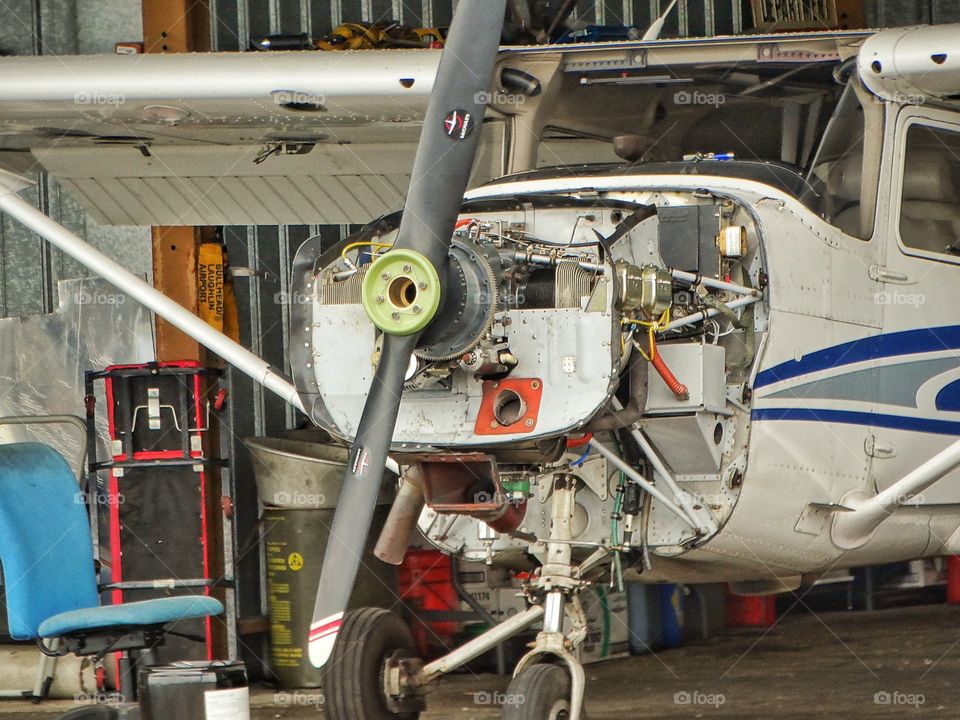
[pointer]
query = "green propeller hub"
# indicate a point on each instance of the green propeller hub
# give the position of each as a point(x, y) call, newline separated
point(401, 292)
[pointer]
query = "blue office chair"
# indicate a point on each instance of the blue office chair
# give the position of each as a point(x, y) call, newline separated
point(47, 556)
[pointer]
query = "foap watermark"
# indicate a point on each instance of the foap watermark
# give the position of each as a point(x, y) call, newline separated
point(902, 699)
point(292, 298)
point(284, 498)
point(99, 697)
point(497, 498)
point(93, 97)
point(696, 97)
point(299, 699)
point(499, 699)
point(100, 499)
point(499, 98)
point(696, 697)
point(296, 99)
point(899, 298)
point(98, 297)
point(902, 98)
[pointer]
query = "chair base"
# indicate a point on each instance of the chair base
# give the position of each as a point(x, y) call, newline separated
point(101, 643)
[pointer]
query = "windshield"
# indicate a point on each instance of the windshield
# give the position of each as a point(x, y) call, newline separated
point(774, 112)
point(842, 175)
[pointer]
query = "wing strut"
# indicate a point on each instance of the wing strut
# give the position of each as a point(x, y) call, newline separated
point(258, 369)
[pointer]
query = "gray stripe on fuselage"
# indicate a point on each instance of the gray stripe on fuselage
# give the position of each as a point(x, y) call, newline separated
point(886, 385)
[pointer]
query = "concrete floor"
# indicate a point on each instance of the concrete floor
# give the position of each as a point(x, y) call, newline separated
point(888, 664)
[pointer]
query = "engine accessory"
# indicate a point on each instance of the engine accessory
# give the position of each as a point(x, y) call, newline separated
point(732, 241)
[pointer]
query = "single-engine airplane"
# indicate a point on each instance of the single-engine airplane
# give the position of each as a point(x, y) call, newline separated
point(675, 310)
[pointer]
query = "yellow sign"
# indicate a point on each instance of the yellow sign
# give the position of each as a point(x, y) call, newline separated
point(210, 286)
point(295, 561)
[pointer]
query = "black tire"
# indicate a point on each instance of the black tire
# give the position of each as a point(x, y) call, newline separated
point(353, 677)
point(541, 692)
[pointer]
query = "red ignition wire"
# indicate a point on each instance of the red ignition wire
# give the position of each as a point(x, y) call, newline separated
point(676, 387)
point(573, 442)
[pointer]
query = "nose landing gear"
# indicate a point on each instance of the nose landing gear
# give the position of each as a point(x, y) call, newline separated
point(374, 673)
point(541, 692)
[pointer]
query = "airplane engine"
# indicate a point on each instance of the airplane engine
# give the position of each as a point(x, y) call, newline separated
point(547, 339)
point(527, 346)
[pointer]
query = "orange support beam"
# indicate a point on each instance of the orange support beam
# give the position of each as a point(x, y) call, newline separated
point(176, 26)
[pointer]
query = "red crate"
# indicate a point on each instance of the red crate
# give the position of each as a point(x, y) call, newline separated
point(751, 611)
point(426, 584)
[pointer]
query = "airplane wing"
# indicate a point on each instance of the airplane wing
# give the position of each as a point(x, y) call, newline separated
point(294, 137)
point(228, 138)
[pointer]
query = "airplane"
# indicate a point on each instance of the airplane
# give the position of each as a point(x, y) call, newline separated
point(664, 310)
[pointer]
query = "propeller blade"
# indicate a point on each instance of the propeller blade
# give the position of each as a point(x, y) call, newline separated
point(402, 291)
point(451, 131)
point(358, 498)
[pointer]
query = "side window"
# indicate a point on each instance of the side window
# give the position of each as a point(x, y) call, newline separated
point(930, 196)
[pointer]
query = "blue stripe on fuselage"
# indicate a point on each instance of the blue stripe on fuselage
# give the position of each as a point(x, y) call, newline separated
point(907, 342)
point(846, 417)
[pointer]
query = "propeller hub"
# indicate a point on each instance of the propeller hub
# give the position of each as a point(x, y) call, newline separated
point(401, 292)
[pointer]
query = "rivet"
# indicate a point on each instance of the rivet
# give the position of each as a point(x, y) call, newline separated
point(416, 309)
point(380, 298)
point(396, 316)
point(423, 285)
point(529, 422)
point(407, 268)
point(494, 423)
point(385, 276)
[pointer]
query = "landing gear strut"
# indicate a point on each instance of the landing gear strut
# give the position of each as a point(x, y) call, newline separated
point(374, 674)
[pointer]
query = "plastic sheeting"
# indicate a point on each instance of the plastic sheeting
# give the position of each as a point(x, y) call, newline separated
point(43, 359)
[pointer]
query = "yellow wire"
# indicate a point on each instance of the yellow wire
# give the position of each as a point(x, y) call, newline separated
point(352, 246)
point(652, 329)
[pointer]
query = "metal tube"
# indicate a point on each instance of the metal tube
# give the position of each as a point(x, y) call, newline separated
point(851, 529)
point(234, 353)
point(694, 279)
point(479, 645)
point(707, 527)
point(705, 314)
point(642, 482)
point(553, 612)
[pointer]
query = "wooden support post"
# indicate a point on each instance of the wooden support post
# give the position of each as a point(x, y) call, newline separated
point(176, 26)
point(175, 251)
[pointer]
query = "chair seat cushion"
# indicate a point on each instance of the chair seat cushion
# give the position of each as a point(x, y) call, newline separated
point(135, 614)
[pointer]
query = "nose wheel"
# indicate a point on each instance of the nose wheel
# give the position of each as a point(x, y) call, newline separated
point(355, 679)
point(541, 692)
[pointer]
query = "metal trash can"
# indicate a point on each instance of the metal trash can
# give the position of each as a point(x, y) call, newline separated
point(195, 690)
point(299, 482)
